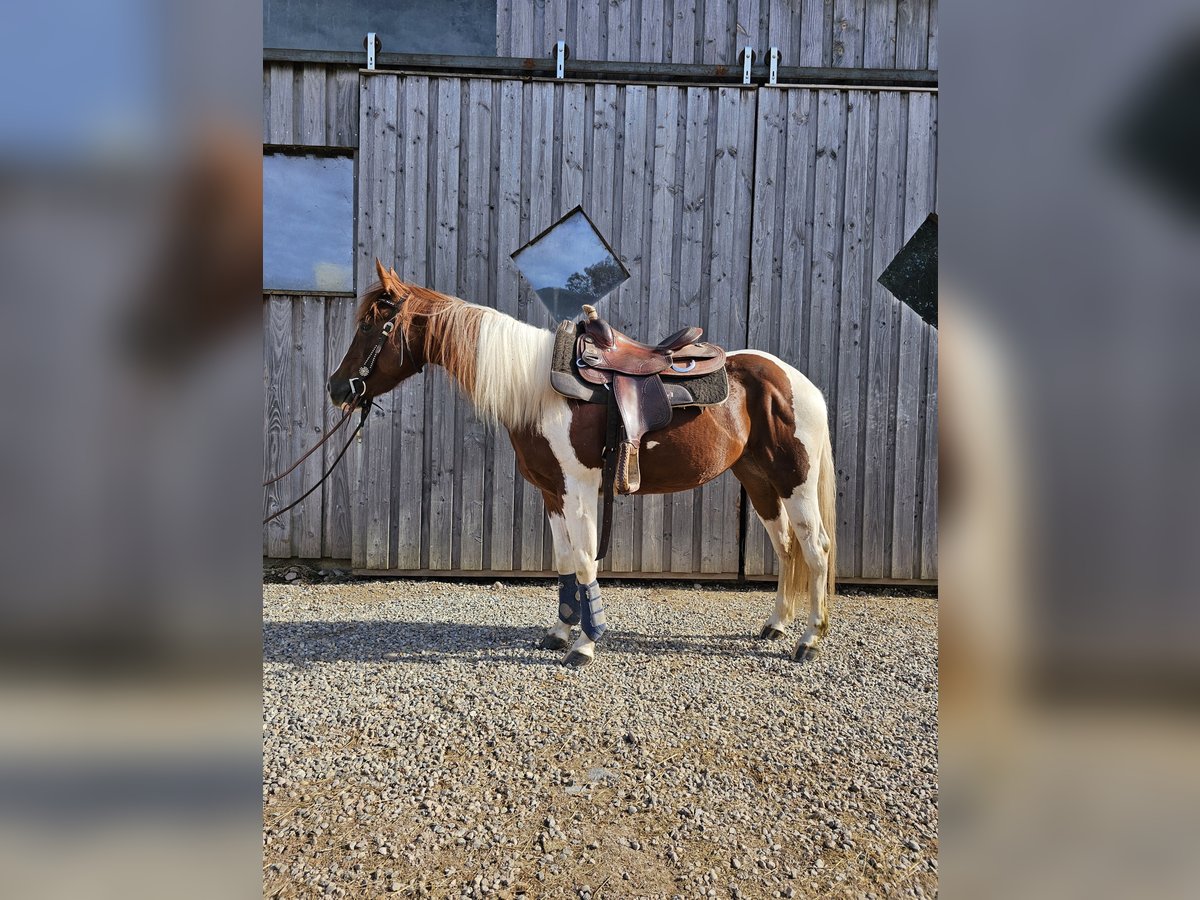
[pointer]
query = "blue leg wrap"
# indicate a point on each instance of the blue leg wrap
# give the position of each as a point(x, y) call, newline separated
point(568, 601)
point(592, 608)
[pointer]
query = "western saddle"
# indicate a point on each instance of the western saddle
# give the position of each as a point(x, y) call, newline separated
point(633, 374)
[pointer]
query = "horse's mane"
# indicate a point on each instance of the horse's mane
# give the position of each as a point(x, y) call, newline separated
point(501, 364)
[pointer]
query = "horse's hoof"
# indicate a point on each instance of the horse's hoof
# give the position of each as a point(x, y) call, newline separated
point(770, 633)
point(553, 642)
point(576, 660)
point(804, 652)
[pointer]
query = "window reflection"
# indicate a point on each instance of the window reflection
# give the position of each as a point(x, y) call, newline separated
point(569, 265)
point(308, 223)
point(450, 27)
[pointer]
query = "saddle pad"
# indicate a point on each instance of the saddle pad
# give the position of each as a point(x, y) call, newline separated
point(700, 390)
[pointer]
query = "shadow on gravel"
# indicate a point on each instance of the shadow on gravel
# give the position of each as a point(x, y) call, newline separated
point(435, 642)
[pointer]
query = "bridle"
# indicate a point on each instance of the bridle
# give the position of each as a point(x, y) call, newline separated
point(364, 372)
point(368, 365)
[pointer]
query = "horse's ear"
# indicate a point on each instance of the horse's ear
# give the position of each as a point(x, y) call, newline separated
point(389, 280)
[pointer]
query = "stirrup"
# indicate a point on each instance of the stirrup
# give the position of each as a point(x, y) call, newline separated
point(629, 472)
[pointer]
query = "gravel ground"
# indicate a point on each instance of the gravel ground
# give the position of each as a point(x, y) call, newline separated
point(416, 745)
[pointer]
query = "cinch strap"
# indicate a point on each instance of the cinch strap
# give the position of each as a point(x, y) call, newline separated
point(592, 611)
point(568, 602)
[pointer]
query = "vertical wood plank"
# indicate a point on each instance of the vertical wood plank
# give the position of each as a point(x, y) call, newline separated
point(587, 36)
point(719, 37)
point(877, 460)
point(440, 471)
point(342, 117)
point(931, 60)
point(729, 239)
point(282, 111)
point(651, 46)
point(795, 302)
point(411, 265)
point(476, 282)
point(814, 32)
point(929, 498)
point(910, 382)
point(505, 14)
point(848, 26)
point(912, 34)
point(618, 30)
point(852, 309)
point(661, 248)
point(918, 203)
point(574, 130)
point(377, 435)
point(683, 34)
point(738, 313)
point(782, 33)
point(541, 200)
point(506, 479)
point(310, 128)
point(339, 330)
point(879, 35)
point(308, 414)
point(825, 275)
point(278, 350)
point(765, 266)
point(601, 206)
point(695, 189)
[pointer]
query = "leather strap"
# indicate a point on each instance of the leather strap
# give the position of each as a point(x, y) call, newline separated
point(612, 442)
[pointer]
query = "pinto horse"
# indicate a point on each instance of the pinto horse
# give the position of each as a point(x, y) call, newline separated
point(772, 432)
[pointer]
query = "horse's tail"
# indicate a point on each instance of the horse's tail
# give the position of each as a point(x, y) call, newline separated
point(827, 502)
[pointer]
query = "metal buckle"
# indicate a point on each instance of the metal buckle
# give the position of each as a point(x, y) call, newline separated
point(691, 364)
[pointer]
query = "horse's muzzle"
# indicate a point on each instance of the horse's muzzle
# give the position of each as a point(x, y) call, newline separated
point(341, 391)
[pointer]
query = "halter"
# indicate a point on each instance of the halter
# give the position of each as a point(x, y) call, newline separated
point(368, 366)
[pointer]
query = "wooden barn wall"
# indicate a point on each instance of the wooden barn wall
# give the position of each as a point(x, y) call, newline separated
point(824, 187)
point(454, 175)
point(310, 105)
point(314, 106)
point(842, 179)
point(304, 338)
point(886, 34)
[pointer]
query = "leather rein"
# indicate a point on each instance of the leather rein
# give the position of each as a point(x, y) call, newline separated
point(359, 391)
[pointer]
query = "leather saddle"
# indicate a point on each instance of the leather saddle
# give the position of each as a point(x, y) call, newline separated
point(633, 373)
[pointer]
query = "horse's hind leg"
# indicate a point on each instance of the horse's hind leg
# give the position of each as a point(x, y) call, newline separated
point(785, 600)
point(771, 512)
point(814, 544)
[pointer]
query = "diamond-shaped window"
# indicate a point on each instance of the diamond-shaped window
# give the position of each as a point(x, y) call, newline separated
point(570, 264)
point(912, 276)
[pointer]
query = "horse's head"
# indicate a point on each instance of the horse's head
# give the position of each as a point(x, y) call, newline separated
point(380, 356)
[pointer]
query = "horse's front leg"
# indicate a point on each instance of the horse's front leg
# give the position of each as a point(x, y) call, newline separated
point(558, 635)
point(580, 524)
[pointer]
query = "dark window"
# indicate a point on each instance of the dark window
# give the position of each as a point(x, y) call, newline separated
point(448, 27)
point(308, 223)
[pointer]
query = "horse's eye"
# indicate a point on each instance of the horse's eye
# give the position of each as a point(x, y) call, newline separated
point(365, 327)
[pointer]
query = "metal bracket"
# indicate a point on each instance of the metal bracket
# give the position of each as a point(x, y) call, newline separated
point(560, 59)
point(773, 76)
point(370, 44)
point(747, 62)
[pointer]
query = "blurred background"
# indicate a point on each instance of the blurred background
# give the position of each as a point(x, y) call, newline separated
point(1070, 627)
point(130, 242)
point(130, 247)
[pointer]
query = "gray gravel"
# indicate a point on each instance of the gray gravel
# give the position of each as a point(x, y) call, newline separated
point(415, 744)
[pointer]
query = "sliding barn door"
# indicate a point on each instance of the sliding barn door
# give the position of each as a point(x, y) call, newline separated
point(842, 179)
point(457, 173)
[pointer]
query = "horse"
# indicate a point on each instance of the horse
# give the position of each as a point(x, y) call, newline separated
point(772, 432)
